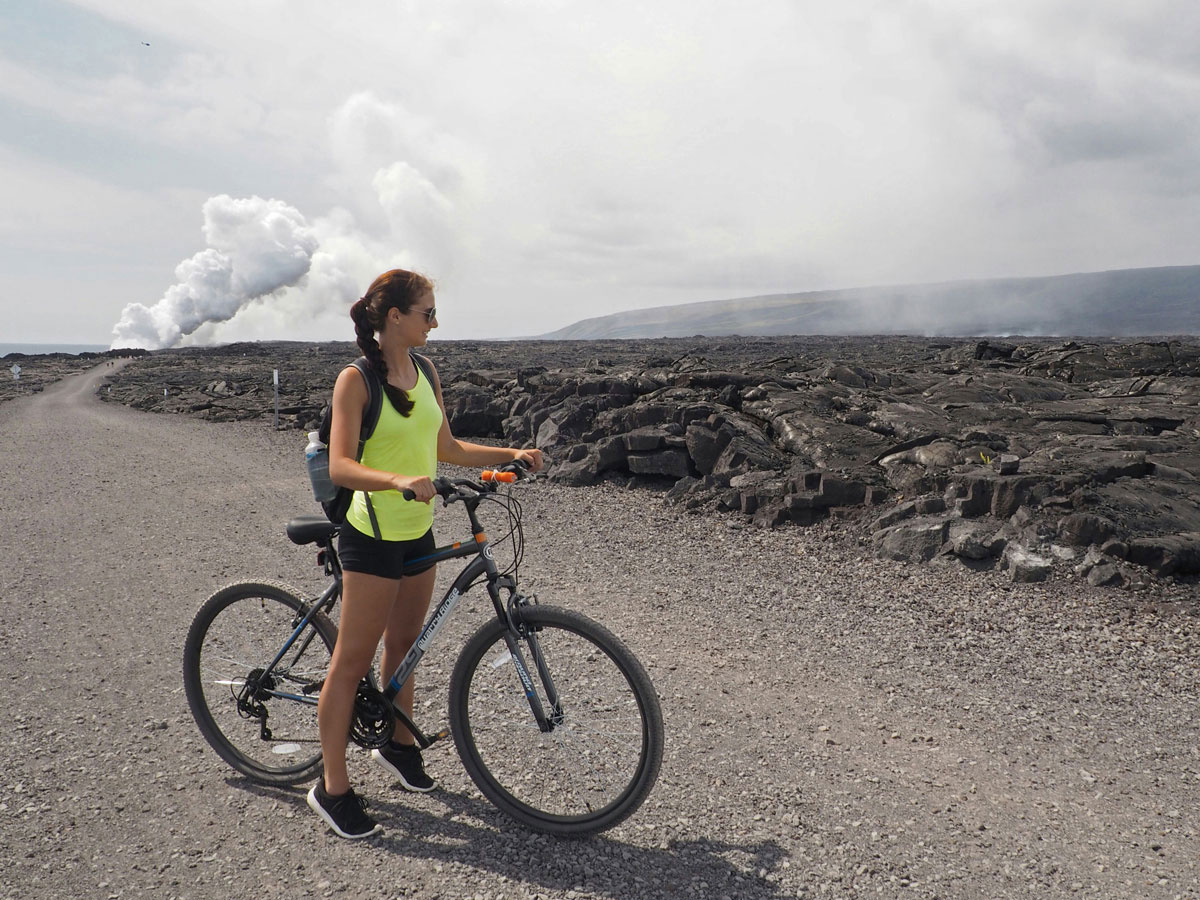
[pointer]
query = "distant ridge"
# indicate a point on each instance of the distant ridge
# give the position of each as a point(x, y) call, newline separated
point(1118, 303)
point(42, 349)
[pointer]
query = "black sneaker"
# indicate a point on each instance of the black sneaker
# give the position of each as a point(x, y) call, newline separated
point(405, 763)
point(346, 815)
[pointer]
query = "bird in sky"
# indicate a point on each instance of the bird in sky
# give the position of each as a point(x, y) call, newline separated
point(145, 43)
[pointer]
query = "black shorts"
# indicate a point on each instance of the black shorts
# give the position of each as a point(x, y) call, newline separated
point(362, 553)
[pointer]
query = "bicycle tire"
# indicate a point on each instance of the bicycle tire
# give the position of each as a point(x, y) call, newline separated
point(241, 628)
point(588, 773)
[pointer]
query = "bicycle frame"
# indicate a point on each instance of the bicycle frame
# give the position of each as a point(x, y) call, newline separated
point(483, 565)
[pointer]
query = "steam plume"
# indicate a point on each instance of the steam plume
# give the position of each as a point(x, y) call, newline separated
point(255, 247)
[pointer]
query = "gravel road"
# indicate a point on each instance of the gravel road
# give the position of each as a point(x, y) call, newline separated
point(838, 725)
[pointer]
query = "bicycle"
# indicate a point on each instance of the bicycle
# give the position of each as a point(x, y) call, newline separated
point(554, 719)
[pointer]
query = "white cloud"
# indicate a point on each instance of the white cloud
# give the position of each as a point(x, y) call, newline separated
point(571, 161)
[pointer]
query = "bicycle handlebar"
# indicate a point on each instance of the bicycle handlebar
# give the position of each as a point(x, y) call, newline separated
point(451, 489)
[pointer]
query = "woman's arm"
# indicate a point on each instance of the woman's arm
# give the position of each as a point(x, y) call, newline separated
point(464, 453)
point(349, 400)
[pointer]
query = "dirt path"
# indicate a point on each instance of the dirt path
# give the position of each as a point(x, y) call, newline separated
point(838, 725)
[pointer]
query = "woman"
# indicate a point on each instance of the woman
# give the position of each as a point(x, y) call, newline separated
point(412, 435)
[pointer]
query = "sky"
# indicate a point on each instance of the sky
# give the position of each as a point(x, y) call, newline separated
point(180, 172)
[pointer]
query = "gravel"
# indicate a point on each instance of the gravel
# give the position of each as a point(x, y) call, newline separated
point(838, 725)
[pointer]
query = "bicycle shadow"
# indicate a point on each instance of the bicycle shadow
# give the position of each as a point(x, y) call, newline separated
point(471, 832)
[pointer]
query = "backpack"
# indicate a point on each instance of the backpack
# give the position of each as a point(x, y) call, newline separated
point(336, 509)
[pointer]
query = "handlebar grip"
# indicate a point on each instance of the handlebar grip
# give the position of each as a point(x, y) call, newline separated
point(441, 487)
point(492, 475)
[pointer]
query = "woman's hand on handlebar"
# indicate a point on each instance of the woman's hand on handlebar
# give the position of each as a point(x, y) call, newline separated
point(418, 488)
point(531, 459)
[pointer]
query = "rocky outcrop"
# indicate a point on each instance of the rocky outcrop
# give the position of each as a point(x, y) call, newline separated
point(1039, 457)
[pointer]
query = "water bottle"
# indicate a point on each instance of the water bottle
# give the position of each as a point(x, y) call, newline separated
point(316, 455)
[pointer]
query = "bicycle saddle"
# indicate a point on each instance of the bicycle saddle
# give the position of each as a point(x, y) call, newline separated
point(310, 529)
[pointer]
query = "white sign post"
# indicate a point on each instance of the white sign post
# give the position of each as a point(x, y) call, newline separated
point(16, 370)
point(276, 378)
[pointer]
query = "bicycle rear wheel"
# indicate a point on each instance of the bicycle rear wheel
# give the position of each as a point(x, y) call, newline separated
point(265, 726)
point(598, 762)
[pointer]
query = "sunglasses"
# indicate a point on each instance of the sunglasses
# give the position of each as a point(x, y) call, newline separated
point(429, 314)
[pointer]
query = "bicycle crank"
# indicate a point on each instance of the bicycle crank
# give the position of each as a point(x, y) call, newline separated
point(373, 720)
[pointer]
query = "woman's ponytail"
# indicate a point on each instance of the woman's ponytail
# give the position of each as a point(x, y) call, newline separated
point(364, 334)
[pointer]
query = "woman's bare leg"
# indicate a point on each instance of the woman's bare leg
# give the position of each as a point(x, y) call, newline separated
point(403, 627)
point(367, 603)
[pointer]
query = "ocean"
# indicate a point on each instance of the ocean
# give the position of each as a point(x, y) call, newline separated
point(52, 348)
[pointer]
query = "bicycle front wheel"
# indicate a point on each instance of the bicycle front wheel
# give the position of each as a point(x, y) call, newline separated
point(263, 723)
point(600, 758)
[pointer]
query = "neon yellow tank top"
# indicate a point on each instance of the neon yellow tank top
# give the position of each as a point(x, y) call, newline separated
point(406, 446)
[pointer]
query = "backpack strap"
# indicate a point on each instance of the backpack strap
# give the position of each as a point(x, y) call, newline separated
point(374, 401)
point(424, 365)
point(369, 420)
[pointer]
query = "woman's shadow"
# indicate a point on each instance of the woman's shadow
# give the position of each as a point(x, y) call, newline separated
point(473, 833)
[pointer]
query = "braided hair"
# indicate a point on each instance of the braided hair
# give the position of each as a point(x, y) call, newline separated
point(396, 288)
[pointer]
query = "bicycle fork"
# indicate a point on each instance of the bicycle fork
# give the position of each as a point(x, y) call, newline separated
point(520, 630)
